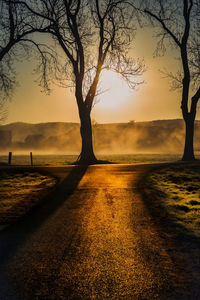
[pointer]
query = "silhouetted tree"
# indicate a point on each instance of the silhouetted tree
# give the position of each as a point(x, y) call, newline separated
point(15, 27)
point(93, 36)
point(178, 25)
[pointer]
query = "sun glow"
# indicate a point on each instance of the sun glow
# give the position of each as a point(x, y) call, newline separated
point(114, 91)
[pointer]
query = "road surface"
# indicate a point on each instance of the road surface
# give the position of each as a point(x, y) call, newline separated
point(93, 238)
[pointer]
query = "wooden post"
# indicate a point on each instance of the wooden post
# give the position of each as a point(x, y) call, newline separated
point(31, 157)
point(9, 158)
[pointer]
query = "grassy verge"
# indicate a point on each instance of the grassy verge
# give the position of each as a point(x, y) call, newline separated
point(55, 160)
point(175, 192)
point(20, 190)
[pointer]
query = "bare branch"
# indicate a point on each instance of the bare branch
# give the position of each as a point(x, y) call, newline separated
point(158, 18)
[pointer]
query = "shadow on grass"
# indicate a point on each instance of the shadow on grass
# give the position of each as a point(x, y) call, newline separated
point(97, 162)
point(152, 200)
point(182, 247)
point(16, 234)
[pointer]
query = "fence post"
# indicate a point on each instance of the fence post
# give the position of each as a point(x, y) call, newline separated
point(9, 158)
point(31, 157)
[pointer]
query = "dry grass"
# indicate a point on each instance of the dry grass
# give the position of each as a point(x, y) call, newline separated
point(178, 190)
point(20, 191)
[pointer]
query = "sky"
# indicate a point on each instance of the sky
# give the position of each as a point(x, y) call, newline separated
point(152, 100)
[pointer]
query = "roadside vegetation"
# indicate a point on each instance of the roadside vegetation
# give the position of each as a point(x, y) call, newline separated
point(58, 159)
point(175, 190)
point(20, 190)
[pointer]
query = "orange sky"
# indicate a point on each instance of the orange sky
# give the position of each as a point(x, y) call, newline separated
point(152, 100)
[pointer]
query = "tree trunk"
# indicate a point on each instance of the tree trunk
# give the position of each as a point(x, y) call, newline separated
point(188, 154)
point(87, 154)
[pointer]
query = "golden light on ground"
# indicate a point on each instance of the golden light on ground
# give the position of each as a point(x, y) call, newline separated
point(114, 91)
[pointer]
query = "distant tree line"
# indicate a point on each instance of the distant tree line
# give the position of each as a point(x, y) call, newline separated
point(114, 138)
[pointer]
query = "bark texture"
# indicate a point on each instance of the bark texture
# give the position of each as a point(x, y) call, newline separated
point(87, 155)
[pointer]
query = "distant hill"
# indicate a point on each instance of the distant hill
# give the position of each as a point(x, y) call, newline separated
point(163, 136)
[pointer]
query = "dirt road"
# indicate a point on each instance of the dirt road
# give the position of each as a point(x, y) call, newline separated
point(93, 238)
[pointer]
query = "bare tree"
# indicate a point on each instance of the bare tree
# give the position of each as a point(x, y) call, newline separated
point(93, 36)
point(15, 27)
point(177, 25)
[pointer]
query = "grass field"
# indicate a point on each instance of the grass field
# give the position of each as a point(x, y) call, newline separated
point(20, 191)
point(176, 189)
point(69, 159)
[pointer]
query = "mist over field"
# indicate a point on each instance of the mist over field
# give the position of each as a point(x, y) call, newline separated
point(162, 136)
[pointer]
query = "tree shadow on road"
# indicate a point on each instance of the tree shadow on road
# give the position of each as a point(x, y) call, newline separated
point(16, 234)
